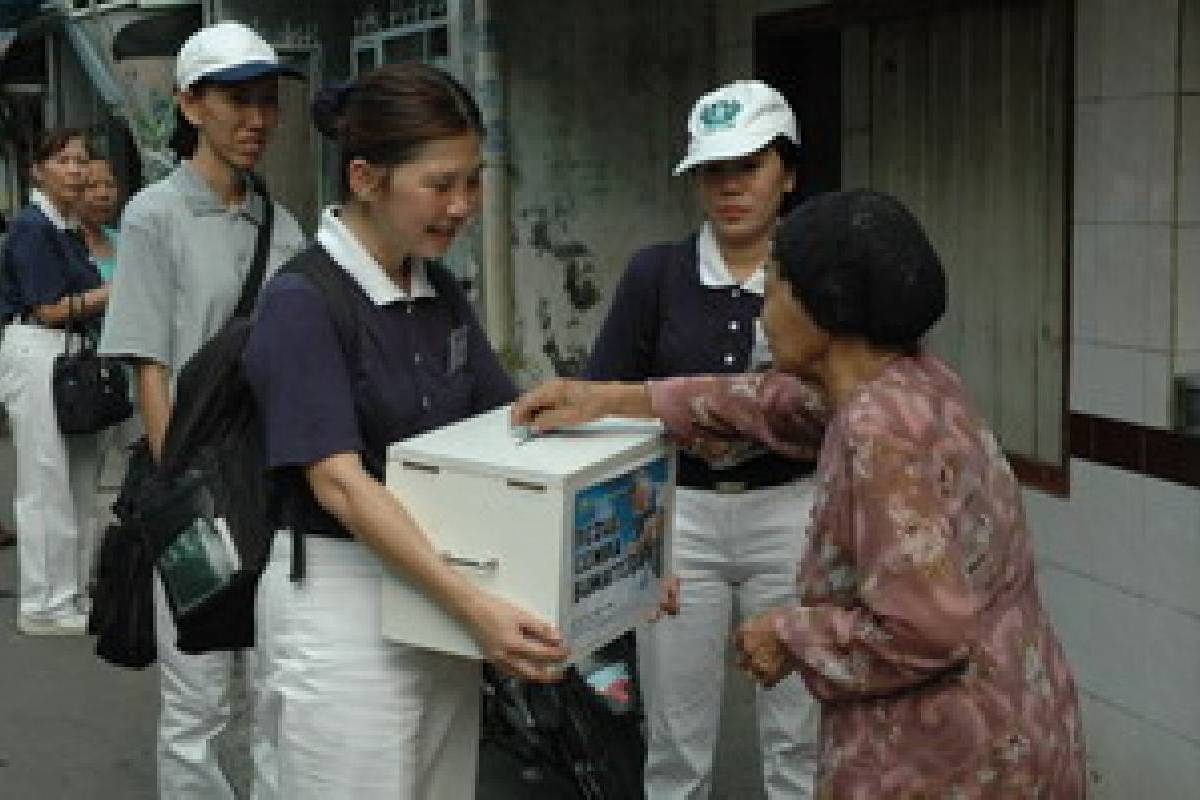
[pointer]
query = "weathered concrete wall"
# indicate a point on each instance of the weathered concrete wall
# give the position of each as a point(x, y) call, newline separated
point(598, 95)
point(282, 21)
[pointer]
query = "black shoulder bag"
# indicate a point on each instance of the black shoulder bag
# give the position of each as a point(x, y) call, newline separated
point(91, 392)
point(160, 503)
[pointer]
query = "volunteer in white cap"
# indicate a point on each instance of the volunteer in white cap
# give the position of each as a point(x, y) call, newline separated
point(187, 243)
point(692, 307)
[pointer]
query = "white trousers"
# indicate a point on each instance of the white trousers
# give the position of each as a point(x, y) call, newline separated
point(54, 503)
point(350, 715)
point(726, 545)
point(194, 693)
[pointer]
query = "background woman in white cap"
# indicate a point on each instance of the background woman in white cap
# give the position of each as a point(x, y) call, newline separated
point(187, 243)
point(692, 307)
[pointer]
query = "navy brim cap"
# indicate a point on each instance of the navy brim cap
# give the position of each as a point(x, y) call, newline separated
point(250, 71)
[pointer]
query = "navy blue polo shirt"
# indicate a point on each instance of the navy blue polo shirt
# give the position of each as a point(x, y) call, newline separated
point(41, 263)
point(671, 315)
point(424, 361)
point(665, 321)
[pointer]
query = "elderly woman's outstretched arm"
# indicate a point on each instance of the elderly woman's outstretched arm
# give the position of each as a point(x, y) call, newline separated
point(709, 414)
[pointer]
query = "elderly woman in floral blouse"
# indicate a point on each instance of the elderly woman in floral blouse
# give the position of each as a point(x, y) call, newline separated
point(919, 625)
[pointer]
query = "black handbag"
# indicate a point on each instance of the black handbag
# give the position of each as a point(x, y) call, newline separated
point(91, 392)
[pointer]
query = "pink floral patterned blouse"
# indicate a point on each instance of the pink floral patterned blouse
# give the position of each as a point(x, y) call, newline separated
point(919, 624)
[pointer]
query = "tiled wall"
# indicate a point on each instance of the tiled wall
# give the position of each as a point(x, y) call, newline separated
point(1120, 559)
point(1119, 563)
point(1188, 252)
point(1127, 147)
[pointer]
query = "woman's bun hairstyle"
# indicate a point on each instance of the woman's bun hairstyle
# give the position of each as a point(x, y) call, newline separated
point(861, 265)
point(385, 115)
point(328, 105)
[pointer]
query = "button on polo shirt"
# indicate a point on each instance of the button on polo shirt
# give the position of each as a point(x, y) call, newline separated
point(677, 312)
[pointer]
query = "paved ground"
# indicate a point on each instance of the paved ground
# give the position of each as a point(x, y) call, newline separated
point(74, 728)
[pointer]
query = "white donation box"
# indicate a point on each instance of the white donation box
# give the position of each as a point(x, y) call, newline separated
point(574, 527)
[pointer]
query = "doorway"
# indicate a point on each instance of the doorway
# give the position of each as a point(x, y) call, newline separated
point(800, 54)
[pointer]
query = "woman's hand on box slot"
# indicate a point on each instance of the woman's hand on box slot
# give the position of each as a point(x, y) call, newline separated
point(562, 403)
point(518, 642)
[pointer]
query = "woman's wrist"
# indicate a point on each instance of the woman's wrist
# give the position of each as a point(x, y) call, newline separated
point(627, 400)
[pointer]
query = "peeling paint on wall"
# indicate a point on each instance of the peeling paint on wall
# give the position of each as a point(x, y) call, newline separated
point(598, 95)
point(578, 284)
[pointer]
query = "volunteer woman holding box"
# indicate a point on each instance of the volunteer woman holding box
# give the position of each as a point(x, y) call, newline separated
point(353, 715)
point(688, 308)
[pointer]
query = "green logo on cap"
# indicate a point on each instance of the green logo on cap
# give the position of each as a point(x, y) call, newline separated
point(720, 115)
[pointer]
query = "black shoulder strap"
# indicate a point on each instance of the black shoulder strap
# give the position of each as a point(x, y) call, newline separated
point(333, 284)
point(262, 244)
point(334, 287)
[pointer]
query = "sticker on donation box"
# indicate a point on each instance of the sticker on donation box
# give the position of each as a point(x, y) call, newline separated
point(618, 548)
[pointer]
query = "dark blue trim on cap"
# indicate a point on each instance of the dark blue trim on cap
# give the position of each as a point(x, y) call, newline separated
point(249, 71)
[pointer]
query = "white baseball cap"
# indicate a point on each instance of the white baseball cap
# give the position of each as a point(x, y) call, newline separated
point(737, 120)
point(228, 52)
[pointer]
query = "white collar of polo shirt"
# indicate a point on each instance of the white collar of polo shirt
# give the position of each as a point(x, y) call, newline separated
point(344, 248)
point(714, 273)
point(39, 199)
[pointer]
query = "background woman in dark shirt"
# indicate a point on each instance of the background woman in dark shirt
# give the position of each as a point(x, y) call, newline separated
point(692, 308)
point(45, 276)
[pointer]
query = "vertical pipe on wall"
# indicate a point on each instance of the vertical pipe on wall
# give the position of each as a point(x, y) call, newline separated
point(497, 250)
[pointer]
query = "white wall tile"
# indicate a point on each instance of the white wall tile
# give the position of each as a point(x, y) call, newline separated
point(1108, 381)
point(1089, 21)
point(1171, 558)
point(1083, 375)
point(1094, 529)
point(1052, 524)
point(1086, 169)
point(1138, 47)
point(1189, 162)
point(1136, 159)
point(1083, 282)
point(1135, 532)
point(1133, 286)
point(1127, 757)
point(1133, 652)
point(1188, 290)
point(1159, 287)
point(1190, 35)
point(1187, 361)
point(1157, 388)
